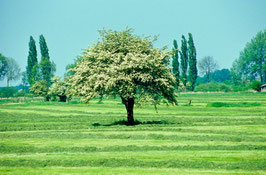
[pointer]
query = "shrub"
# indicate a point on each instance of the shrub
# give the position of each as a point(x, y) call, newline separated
point(240, 88)
point(40, 89)
point(213, 87)
point(225, 88)
point(220, 104)
point(19, 93)
point(255, 85)
point(8, 92)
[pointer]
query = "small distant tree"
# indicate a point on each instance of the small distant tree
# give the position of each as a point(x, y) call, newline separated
point(221, 76)
point(58, 88)
point(193, 71)
point(3, 66)
point(236, 72)
point(40, 89)
point(24, 80)
point(13, 70)
point(125, 65)
point(175, 63)
point(206, 66)
point(184, 60)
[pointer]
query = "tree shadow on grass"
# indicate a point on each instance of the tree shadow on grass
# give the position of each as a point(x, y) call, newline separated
point(124, 122)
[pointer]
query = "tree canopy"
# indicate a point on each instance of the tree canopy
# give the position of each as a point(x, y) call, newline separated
point(175, 63)
point(13, 70)
point(184, 60)
point(206, 66)
point(40, 89)
point(3, 66)
point(58, 88)
point(125, 65)
point(192, 60)
point(47, 67)
point(32, 66)
point(251, 63)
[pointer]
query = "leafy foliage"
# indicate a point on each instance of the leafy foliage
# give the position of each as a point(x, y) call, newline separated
point(256, 85)
point(219, 76)
point(207, 65)
point(32, 65)
point(236, 72)
point(3, 66)
point(43, 47)
point(46, 66)
point(175, 63)
point(40, 88)
point(7, 92)
point(47, 69)
point(124, 65)
point(184, 60)
point(192, 60)
point(251, 63)
point(213, 87)
point(13, 70)
point(58, 88)
point(69, 67)
point(221, 104)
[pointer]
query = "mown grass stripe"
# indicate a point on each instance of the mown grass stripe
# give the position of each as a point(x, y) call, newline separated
point(121, 170)
point(31, 149)
point(256, 165)
point(139, 136)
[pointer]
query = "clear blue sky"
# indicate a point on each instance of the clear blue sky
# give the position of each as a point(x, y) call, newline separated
point(220, 28)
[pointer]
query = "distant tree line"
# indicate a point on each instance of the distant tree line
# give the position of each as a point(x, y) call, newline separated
point(250, 67)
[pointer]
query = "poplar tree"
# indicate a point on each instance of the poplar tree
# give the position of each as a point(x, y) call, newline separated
point(46, 66)
point(175, 63)
point(192, 60)
point(43, 47)
point(32, 66)
point(184, 60)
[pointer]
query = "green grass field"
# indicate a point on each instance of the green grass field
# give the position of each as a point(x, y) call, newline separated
point(204, 138)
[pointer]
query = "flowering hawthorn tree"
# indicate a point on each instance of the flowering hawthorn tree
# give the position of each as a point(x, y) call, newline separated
point(125, 65)
point(58, 88)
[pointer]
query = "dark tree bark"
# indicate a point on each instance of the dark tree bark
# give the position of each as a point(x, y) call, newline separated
point(129, 104)
point(63, 98)
point(7, 82)
point(47, 98)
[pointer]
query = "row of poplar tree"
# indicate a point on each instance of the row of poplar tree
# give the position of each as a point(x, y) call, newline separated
point(185, 71)
point(43, 70)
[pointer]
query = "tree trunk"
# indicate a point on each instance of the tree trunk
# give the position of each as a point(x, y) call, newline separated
point(63, 98)
point(47, 98)
point(264, 77)
point(129, 104)
point(7, 82)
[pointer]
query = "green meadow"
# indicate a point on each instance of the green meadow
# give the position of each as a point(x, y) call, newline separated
point(219, 133)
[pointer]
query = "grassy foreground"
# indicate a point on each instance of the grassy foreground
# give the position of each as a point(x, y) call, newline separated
point(217, 134)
